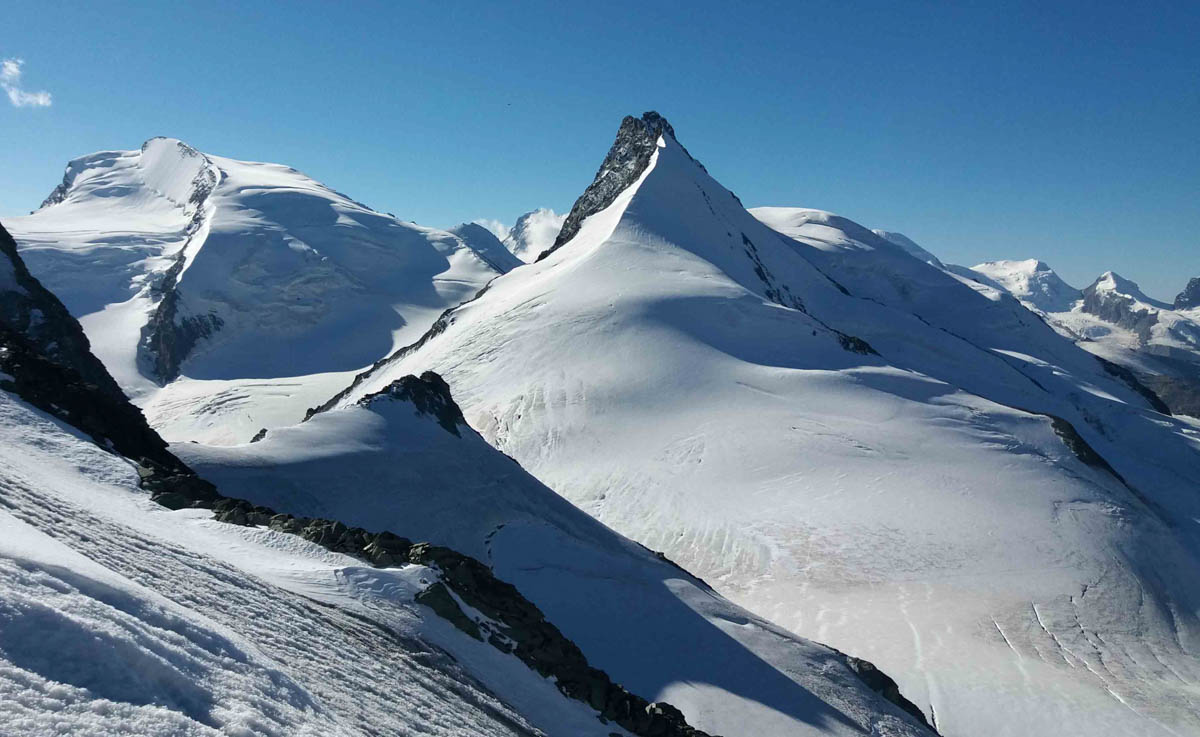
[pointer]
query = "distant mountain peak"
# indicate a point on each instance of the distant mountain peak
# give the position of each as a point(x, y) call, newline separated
point(1033, 282)
point(1111, 281)
point(533, 233)
point(487, 246)
point(630, 154)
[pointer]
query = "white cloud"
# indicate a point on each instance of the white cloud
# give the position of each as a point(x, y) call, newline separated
point(499, 229)
point(10, 80)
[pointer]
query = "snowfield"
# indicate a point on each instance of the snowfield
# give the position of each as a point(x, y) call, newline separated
point(856, 445)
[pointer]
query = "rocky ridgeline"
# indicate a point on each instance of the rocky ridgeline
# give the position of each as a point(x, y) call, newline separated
point(429, 394)
point(46, 360)
point(511, 623)
point(636, 141)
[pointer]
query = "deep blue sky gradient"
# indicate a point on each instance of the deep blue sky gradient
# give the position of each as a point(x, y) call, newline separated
point(1068, 131)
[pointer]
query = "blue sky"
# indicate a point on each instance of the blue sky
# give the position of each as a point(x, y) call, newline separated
point(1066, 131)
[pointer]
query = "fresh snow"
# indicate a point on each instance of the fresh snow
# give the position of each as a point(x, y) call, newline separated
point(919, 464)
point(1112, 318)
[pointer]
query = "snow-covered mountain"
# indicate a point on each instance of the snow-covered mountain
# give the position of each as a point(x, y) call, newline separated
point(1112, 318)
point(119, 616)
point(490, 248)
point(843, 438)
point(534, 233)
point(1032, 282)
point(200, 276)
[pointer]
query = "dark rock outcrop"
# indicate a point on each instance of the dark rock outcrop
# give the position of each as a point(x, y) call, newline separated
point(511, 622)
point(882, 684)
point(637, 139)
point(170, 335)
point(34, 313)
point(1190, 296)
point(430, 395)
point(1119, 309)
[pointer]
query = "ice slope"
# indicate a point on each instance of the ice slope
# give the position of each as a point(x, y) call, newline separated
point(651, 626)
point(182, 264)
point(853, 444)
point(533, 233)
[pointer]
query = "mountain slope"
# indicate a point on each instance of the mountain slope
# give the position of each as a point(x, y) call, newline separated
point(848, 441)
point(259, 623)
point(119, 617)
point(650, 625)
point(220, 278)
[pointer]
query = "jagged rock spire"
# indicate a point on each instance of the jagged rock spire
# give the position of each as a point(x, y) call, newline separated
point(629, 156)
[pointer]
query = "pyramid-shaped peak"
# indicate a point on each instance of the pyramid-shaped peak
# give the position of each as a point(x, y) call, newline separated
point(630, 154)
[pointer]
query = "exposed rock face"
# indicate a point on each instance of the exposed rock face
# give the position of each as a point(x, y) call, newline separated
point(1190, 296)
point(169, 336)
point(430, 394)
point(32, 311)
point(46, 360)
point(1119, 307)
point(629, 156)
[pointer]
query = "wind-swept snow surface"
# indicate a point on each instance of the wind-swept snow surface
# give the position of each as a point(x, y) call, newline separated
point(243, 276)
point(851, 442)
